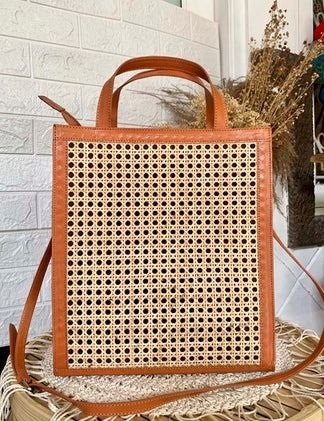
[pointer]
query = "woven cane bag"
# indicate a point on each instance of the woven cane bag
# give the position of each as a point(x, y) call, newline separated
point(162, 244)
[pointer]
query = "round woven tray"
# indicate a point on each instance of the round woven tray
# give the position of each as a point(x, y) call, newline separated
point(301, 398)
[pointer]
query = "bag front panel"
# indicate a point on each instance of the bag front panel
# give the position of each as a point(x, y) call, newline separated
point(168, 257)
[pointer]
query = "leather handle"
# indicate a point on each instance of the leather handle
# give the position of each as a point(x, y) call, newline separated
point(174, 73)
point(104, 109)
point(18, 345)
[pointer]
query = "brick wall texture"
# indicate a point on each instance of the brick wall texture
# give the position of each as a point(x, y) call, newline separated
point(66, 49)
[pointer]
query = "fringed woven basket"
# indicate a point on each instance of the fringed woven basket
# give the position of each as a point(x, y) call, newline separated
point(299, 399)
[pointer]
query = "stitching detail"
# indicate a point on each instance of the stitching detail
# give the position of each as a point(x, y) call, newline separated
point(54, 235)
point(56, 341)
point(157, 130)
point(271, 248)
point(174, 370)
point(260, 272)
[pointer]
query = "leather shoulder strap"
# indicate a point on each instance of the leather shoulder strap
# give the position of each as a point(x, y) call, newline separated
point(18, 344)
point(72, 121)
point(18, 340)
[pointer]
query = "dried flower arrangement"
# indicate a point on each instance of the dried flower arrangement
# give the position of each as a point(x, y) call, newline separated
point(272, 93)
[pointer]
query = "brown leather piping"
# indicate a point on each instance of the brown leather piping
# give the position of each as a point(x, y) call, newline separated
point(163, 134)
point(18, 344)
point(59, 253)
point(265, 253)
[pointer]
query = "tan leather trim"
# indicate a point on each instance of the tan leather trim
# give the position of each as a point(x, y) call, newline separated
point(163, 370)
point(64, 133)
point(59, 207)
point(265, 241)
point(162, 135)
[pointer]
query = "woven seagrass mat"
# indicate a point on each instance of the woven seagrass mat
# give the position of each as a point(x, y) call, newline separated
point(300, 398)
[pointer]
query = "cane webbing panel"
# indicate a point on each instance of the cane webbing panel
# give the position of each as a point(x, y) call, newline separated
point(162, 266)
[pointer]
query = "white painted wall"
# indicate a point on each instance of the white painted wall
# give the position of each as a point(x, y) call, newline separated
point(204, 8)
point(66, 50)
point(239, 20)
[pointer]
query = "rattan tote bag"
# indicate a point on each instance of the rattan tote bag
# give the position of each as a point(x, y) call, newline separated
point(162, 244)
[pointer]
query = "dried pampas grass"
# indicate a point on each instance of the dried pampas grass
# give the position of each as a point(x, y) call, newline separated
point(273, 92)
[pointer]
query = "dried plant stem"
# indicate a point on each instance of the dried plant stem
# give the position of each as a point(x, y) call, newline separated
point(273, 93)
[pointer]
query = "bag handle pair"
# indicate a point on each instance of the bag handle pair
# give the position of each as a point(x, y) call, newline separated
point(107, 110)
point(217, 111)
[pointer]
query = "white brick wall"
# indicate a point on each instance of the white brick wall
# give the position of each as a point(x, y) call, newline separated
point(66, 49)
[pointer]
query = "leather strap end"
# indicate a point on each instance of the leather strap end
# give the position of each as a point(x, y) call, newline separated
point(51, 103)
point(72, 121)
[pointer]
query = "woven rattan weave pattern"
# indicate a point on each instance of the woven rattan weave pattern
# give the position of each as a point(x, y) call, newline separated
point(162, 262)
